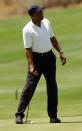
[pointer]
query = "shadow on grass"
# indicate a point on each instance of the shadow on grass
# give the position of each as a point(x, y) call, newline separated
point(63, 122)
point(72, 122)
point(74, 119)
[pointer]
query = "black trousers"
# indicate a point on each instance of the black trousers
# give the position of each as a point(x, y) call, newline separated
point(45, 64)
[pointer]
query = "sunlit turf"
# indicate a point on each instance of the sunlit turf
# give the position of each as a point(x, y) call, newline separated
point(67, 26)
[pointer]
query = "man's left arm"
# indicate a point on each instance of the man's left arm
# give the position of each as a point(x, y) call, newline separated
point(58, 48)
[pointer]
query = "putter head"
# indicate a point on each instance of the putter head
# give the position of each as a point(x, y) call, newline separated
point(29, 122)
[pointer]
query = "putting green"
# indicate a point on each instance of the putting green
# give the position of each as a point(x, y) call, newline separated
point(39, 124)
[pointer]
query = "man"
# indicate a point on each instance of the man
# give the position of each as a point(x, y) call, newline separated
point(38, 42)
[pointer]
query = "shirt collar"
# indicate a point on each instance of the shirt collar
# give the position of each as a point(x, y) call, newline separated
point(36, 25)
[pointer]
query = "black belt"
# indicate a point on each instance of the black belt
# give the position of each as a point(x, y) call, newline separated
point(42, 54)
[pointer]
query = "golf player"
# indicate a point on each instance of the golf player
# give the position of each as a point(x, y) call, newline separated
point(39, 40)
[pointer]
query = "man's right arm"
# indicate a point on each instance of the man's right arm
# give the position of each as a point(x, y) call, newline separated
point(27, 38)
point(29, 57)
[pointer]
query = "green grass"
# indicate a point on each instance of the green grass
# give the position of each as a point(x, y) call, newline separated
point(67, 25)
point(68, 123)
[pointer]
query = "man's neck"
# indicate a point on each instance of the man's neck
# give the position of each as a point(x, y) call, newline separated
point(37, 23)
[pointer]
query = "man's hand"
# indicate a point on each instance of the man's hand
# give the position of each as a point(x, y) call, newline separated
point(63, 58)
point(32, 70)
point(29, 56)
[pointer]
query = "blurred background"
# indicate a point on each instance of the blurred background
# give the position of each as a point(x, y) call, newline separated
point(66, 21)
point(12, 7)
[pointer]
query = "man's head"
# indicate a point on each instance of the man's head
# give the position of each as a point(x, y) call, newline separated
point(36, 12)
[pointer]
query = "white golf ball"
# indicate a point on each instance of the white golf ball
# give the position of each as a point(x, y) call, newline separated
point(31, 122)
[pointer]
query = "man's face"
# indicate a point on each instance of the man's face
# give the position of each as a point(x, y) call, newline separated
point(38, 16)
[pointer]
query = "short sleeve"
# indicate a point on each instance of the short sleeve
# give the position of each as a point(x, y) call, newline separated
point(27, 39)
point(49, 27)
point(50, 30)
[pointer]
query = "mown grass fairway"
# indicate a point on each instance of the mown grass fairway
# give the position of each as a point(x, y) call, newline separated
point(43, 124)
point(67, 26)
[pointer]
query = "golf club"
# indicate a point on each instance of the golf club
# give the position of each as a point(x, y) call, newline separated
point(29, 121)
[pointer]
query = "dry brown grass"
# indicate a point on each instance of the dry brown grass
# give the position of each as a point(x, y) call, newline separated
point(7, 8)
point(13, 7)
